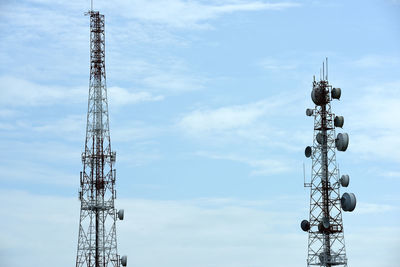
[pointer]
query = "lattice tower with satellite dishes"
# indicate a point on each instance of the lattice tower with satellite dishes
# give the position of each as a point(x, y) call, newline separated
point(97, 241)
point(326, 245)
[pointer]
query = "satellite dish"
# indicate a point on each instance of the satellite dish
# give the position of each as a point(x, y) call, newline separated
point(336, 93)
point(325, 222)
point(124, 260)
point(320, 138)
point(321, 227)
point(342, 141)
point(305, 225)
point(324, 225)
point(113, 156)
point(324, 258)
point(344, 180)
point(348, 201)
point(121, 214)
point(339, 121)
point(309, 112)
point(319, 96)
point(308, 151)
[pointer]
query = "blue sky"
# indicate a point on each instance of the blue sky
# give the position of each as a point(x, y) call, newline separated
point(207, 107)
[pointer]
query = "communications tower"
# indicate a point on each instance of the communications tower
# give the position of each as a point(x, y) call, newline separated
point(326, 246)
point(97, 241)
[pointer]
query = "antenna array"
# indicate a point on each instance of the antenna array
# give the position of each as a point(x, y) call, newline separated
point(326, 246)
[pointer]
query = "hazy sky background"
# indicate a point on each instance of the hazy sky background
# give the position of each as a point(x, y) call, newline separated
point(207, 107)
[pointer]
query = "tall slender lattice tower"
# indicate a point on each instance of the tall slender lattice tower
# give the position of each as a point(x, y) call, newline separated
point(326, 246)
point(97, 242)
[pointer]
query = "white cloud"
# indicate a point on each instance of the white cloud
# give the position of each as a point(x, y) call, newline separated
point(37, 174)
point(8, 113)
point(137, 144)
point(33, 224)
point(41, 16)
point(375, 125)
point(272, 64)
point(174, 82)
point(52, 32)
point(380, 242)
point(203, 121)
point(257, 123)
point(189, 14)
point(71, 127)
point(6, 126)
point(20, 92)
point(394, 174)
point(251, 129)
point(376, 61)
point(197, 232)
point(367, 208)
point(224, 118)
point(166, 76)
point(40, 162)
point(134, 130)
point(261, 167)
point(119, 96)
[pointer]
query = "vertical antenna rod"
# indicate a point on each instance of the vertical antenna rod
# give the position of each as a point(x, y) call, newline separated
point(97, 240)
point(326, 68)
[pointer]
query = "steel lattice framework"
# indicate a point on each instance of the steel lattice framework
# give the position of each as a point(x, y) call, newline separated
point(97, 241)
point(326, 244)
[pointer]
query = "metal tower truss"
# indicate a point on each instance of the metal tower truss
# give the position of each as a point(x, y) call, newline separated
point(97, 241)
point(326, 245)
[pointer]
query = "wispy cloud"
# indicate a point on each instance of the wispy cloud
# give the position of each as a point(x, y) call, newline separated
point(261, 167)
point(274, 65)
point(376, 61)
point(254, 122)
point(207, 230)
point(121, 96)
point(38, 174)
point(135, 130)
point(392, 174)
point(375, 125)
point(190, 14)
point(52, 46)
point(165, 76)
point(250, 128)
point(71, 127)
point(8, 113)
point(203, 232)
point(40, 162)
point(206, 120)
point(20, 92)
point(367, 208)
point(226, 118)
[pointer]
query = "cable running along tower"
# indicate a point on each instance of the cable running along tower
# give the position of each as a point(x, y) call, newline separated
point(97, 241)
point(326, 246)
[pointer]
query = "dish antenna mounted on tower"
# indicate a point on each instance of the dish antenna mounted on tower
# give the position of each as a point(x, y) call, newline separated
point(326, 246)
point(97, 241)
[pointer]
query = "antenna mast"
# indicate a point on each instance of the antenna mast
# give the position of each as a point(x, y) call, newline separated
point(97, 241)
point(326, 246)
